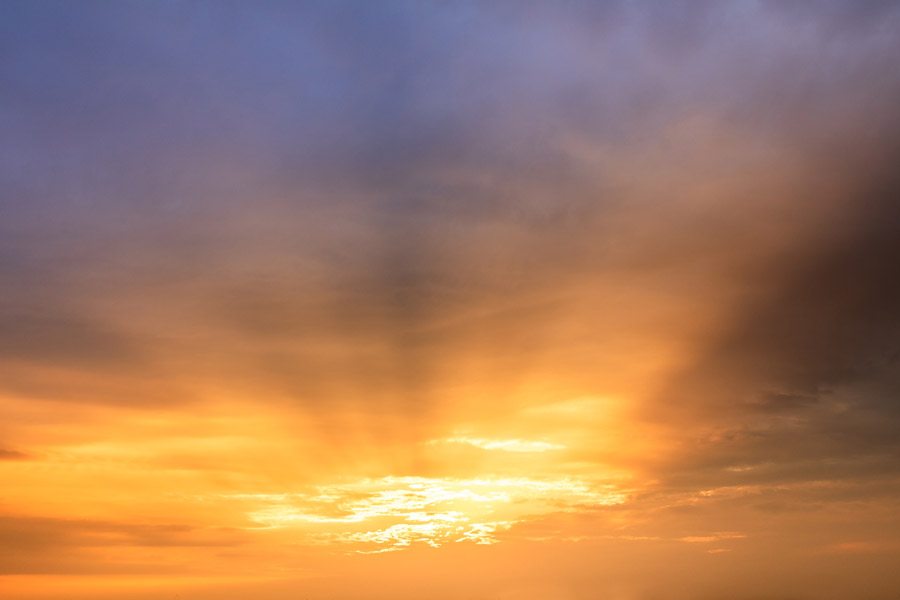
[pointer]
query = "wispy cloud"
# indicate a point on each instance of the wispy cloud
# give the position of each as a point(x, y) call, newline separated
point(506, 445)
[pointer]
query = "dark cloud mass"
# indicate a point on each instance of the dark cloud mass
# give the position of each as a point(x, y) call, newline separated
point(385, 225)
point(808, 373)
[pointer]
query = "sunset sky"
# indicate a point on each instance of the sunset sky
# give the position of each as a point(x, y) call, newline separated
point(499, 300)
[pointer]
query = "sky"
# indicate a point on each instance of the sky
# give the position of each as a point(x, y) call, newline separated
point(507, 300)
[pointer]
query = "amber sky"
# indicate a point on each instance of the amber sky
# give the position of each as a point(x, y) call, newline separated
point(500, 300)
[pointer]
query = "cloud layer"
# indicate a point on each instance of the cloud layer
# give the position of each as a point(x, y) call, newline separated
point(296, 251)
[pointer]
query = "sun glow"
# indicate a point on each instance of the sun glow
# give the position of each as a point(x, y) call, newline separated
point(394, 512)
point(507, 445)
point(449, 300)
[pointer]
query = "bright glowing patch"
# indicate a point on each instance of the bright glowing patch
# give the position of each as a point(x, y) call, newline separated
point(507, 445)
point(393, 512)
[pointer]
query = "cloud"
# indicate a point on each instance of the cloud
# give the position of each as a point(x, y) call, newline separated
point(50, 545)
point(505, 445)
point(10, 454)
point(804, 373)
point(249, 253)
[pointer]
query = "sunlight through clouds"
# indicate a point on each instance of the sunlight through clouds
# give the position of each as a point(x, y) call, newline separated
point(397, 511)
point(394, 300)
point(506, 445)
